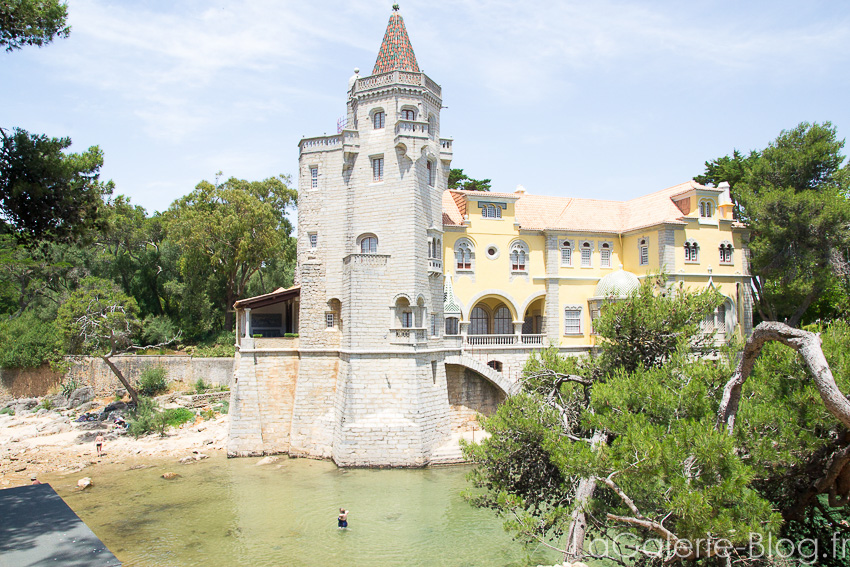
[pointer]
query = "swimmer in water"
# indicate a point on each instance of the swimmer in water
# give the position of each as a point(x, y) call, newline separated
point(342, 519)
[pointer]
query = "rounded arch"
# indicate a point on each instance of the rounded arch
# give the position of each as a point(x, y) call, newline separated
point(531, 299)
point(497, 294)
point(403, 296)
point(367, 243)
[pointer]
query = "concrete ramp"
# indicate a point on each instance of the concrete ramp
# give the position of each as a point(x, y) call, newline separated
point(505, 384)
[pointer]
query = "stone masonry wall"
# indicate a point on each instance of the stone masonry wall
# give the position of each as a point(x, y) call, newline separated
point(89, 371)
point(469, 395)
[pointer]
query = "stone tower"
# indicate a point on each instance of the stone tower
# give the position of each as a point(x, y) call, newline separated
point(371, 386)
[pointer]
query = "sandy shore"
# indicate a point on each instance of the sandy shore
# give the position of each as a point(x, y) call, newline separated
point(47, 442)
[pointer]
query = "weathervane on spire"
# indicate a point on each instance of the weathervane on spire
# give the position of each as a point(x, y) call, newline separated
point(395, 7)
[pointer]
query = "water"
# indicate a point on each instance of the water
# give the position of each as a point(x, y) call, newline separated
point(227, 512)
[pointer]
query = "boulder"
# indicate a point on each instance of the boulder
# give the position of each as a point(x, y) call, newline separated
point(81, 396)
point(192, 458)
point(170, 475)
point(87, 406)
point(58, 401)
point(267, 461)
point(25, 404)
point(84, 483)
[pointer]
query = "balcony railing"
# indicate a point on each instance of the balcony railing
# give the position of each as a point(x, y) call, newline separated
point(320, 143)
point(435, 265)
point(366, 259)
point(397, 77)
point(504, 340)
point(411, 128)
point(408, 335)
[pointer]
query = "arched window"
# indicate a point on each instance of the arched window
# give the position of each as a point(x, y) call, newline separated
point(502, 322)
point(586, 255)
point(378, 119)
point(643, 251)
point(519, 257)
point(478, 322)
point(368, 244)
point(463, 255)
point(691, 251)
point(566, 252)
point(706, 208)
point(430, 167)
point(605, 255)
point(725, 253)
point(404, 313)
point(408, 114)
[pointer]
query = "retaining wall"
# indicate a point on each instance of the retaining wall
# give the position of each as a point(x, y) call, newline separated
point(90, 371)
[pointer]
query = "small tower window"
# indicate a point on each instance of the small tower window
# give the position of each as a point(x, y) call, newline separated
point(605, 255)
point(378, 169)
point(314, 239)
point(314, 177)
point(369, 244)
point(378, 119)
point(430, 167)
point(643, 252)
point(407, 114)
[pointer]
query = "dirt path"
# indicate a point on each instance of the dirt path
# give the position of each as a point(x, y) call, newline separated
point(51, 442)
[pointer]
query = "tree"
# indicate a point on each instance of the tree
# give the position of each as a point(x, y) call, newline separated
point(673, 449)
point(99, 320)
point(32, 22)
point(46, 194)
point(230, 229)
point(459, 180)
point(794, 197)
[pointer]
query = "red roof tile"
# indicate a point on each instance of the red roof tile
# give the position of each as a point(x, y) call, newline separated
point(396, 51)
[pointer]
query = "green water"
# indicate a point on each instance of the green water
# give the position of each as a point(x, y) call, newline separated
point(229, 512)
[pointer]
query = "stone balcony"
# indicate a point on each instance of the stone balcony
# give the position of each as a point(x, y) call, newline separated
point(435, 266)
point(503, 340)
point(397, 77)
point(407, 335)
point(446, 148)
point(320, 144)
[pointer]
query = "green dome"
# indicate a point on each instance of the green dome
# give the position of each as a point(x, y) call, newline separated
point(617, 284)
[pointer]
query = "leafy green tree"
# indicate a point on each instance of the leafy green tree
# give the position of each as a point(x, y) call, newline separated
point(28, 342)
point(230, 230)
point(46, 194)
point(794, 197)
point(99, 320)
point(32, 22)
point(459, 180)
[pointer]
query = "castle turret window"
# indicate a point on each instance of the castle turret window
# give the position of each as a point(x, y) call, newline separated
point(378, 120)
point(407, 114)
point(430, 167)
point(314, 177)
point(378, 169)
point(368, 244)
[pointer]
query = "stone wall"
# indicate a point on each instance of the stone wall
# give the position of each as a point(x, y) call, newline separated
point(469, 395)
point(89, 371)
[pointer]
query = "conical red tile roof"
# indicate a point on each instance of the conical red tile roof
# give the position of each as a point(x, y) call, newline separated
point(396, 51)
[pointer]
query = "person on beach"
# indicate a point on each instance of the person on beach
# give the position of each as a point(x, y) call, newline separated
point(98, 442)
point(342, 519)
point(34, 479)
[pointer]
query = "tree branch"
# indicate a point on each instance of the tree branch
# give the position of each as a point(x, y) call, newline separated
point(808, 345)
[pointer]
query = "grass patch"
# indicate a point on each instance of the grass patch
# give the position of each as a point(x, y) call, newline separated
point(148, 418)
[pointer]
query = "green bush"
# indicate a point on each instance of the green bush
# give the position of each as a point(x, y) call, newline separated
point(7, 411)
point(222, 345)
point(158, 329)
point(291, 335)
point(68, 386)
point(222, 407)
point(201, 386)
point(46, 404)
point(153, 381)
point(148, 418)
point(28, 342)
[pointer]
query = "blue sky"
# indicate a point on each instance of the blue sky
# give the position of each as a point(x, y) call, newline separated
point(606, 99)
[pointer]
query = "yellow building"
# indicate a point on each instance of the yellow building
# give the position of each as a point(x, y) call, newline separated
point(532, 270)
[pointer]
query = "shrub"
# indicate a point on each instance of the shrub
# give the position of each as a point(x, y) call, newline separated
point(208, 414)
point(147, 418)
point(223, 407)
point(7, 411)
point(68, 386)
point(222, 345)
point(46, 404)
point(153, 381)
point(28, 342)
point(201, 386)
point(158, 329)
point(291, 335)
